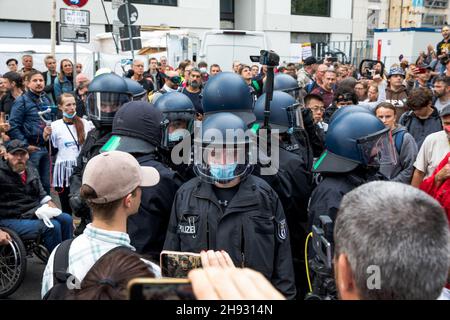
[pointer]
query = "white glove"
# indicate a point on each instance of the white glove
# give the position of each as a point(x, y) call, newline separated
point(45, 213)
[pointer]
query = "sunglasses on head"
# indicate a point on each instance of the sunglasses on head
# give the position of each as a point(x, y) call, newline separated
point(176, 79)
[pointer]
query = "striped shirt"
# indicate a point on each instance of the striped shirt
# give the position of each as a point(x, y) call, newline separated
point(86, 249)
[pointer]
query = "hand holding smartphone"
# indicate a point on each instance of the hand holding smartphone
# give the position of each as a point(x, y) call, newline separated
point(178, 264)
point(160, 289)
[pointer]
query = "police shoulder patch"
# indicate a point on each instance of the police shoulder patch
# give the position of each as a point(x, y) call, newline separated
point(282, 229)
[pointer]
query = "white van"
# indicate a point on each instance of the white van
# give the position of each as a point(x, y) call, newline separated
point(222, 47)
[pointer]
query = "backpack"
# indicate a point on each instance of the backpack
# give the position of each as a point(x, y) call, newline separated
point(63, 279)
point(398, 139)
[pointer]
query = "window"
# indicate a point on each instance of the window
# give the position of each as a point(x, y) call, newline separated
point(155, 2)
point(24, 29)
point(226, 14)
point(300, 37)
point(437, 4)
point(320, 8)
point(434, 20)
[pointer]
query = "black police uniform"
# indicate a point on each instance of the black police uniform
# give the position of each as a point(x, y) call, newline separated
point(326, 198)
point(147, 228)
point(292, 183)
point(252, 228)
point(94, 142)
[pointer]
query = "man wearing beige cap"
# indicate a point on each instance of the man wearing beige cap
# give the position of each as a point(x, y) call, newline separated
point(111, 186)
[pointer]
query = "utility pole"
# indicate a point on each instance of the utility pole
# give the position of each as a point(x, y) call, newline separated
point(53, 28)
point(129, 27)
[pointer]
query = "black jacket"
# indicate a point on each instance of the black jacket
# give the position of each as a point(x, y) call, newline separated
point(293, 185)
point(147, 228)
point(19, 201)
point(252, 229)
point(327, 196)
point(159, 80)
point(91, 147)
point(6, 103)
point(421, 128)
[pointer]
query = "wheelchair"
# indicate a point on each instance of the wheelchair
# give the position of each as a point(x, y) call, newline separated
point(13, 260)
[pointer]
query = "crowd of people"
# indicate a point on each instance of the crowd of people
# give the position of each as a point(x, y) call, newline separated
point(358, 158)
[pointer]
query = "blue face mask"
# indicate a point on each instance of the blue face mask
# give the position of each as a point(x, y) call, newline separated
point(69, 116)
point(176, 136)
point(224, 172)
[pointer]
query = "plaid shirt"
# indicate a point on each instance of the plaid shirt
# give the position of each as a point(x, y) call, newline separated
point(86, 249)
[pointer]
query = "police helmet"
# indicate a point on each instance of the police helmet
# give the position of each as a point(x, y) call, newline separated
point(228, 92)
point(356, 139)
point(136, 129)
point(178, 118)
point(106, 94)
point(136, 89)
point(285, 112)
point(222, 151)
point(286, 83)
point(349, 109)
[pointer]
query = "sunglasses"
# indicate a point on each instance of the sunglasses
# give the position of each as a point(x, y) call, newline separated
point(176, 79)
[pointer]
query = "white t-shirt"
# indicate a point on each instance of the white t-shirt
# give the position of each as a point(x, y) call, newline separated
point(66, 142)
point(433, 150)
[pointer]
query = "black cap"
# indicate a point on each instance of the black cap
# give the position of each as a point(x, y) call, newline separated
point(445, 111)
point(16, 145)
point(309, 61)
point(11, 59)
point(136, 129)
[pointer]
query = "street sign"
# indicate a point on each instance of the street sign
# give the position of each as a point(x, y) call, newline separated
point(125, 44)
point(74, 17)
point(73, 33)
point(132, 14)
point(76, 3)
point(125, 32)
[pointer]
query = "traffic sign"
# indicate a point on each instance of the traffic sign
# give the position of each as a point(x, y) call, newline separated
point(132, 14)
point(125, 32)
point(125, 44)
point(74, 33)
point(76, 3)
point(74, 17)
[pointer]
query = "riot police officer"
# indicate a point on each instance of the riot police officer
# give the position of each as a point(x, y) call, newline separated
point(106, 94)
point(227, 208)
point(177, 125)
point(357, 144)
point(136, 130)
point(309, 139)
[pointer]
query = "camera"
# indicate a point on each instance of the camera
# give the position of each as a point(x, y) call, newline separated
point(266, 58)
point(367, 68)
point(321, 265)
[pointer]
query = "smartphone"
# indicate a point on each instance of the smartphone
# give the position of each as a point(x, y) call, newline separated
point(176, 264)
point(160, 289)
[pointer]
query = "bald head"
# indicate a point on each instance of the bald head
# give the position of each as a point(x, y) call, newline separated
point(171, 74)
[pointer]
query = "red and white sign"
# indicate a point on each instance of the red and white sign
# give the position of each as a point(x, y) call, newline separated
point(76, 3)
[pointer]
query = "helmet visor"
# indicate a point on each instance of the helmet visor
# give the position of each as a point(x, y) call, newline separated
point(378, 149)
point(104, 105)
point(295, 93)
point(295, 117)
